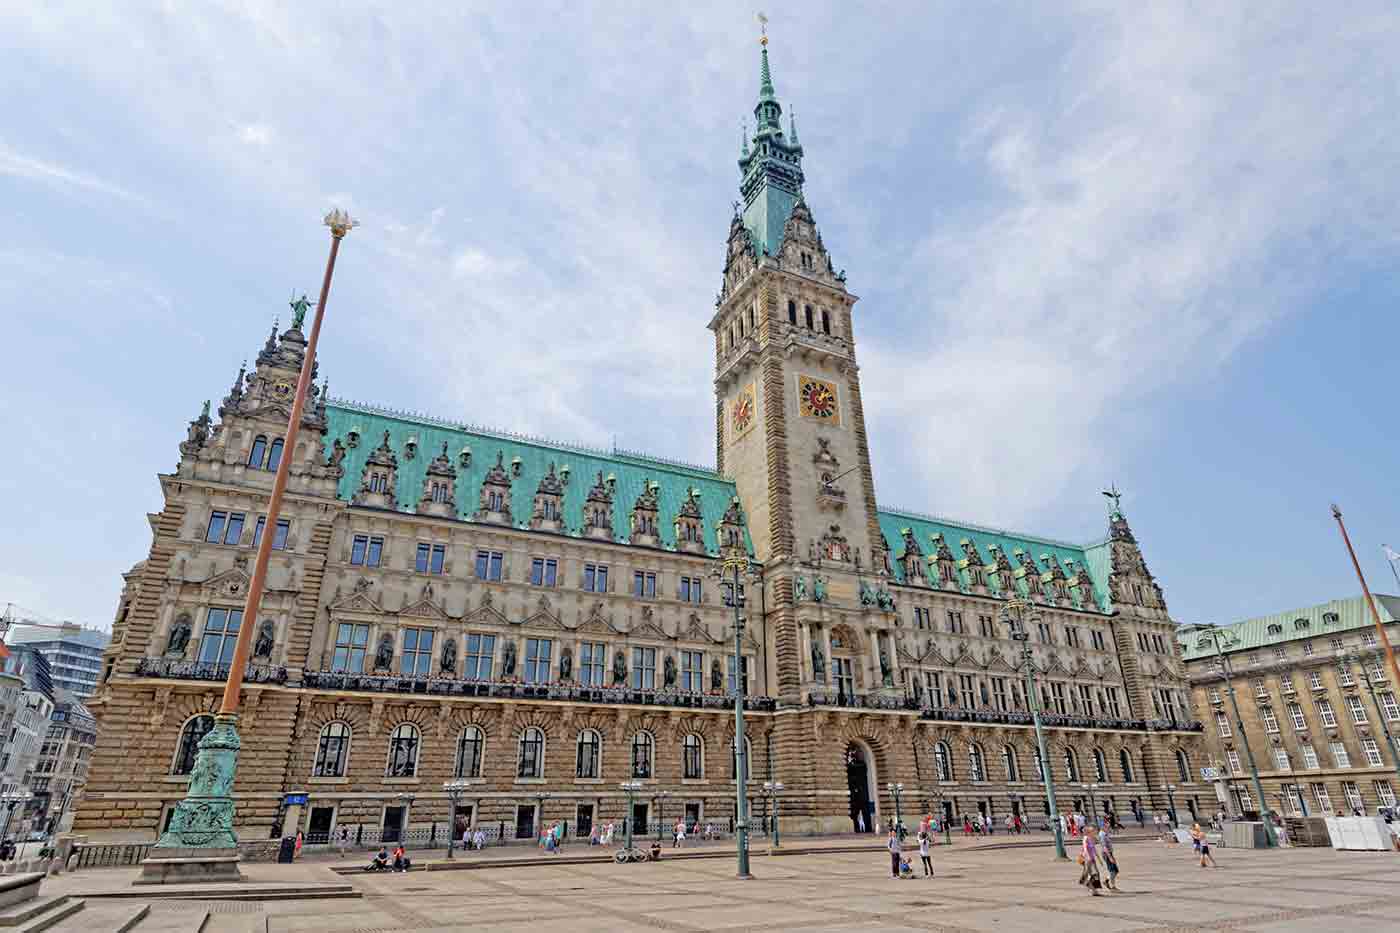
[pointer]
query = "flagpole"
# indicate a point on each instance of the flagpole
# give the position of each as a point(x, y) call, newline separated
point(1370, 600)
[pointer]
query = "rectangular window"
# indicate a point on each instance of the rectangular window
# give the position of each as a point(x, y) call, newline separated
point(543, 571)
point(644, 583)
point(955, 622)
point(986, 626)
point(595, 578)
point(488, 565)
point(1377, 671)
point(1281, 761)
point(220, 635)
point(1324, 799)
point(350, 642)
point(1044, 631)
point(592, 662)
point(1307, 649)
point(430, 558)
point(1336, 642)
point(967, 691)
point(1345, 678)
point(921, 618)
point(1372, 751)
point(1353, 795)
point(1286, 684)
point(644, 668)
point(417, 657)
point(1384, 794)
point(999, 694)
point(1260, 690)
point(1096, 637)
point(1295, 713)
point(1057, 694)
point(1232, 758)
point(1270, 722)
point(1341, 758)
point(1309, 757)
point(693, 671)
point(1315, 681)
point(1215, 696)
point(537, 652)
point(365, 550)
point(1280, 653)
point(1292, 798)
point(1325, 713)
point(1356, 708)
point(1086, 699)
point(729, 677)
point(840, 668)
point(1222, 723)
point(481, 650)
point(933, 681)
point(690, 590)
point(225, 527)
point(1246, 801)
point(1113, 707)
point(1368, 639)
point(1392, 709)
point(279, 540)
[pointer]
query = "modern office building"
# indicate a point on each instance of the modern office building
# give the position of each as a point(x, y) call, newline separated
point(74, 652)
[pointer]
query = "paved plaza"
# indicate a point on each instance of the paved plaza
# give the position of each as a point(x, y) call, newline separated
point(1008, 890)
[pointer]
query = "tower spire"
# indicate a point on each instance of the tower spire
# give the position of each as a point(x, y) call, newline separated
point(770, 164)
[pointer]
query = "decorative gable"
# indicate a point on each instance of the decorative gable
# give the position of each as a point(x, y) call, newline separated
point(644, 516)
point(548, 511)
point(494, 505)
point(227, 585)
point(690, 531)
point(597, 509)
point(439, 487)
point(379, 481)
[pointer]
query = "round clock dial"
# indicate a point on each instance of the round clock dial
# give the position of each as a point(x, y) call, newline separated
point(818, 399)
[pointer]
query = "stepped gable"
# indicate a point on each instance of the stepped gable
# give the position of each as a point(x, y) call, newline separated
point(526, 461)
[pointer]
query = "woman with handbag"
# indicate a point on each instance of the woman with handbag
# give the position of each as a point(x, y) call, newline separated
point(1088, 858)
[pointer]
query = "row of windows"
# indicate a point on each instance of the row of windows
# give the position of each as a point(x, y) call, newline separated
point(227, 528)
point(814, 319)
point(264, 456)
point(978, 772)
point(1281, 652)
point(939, 689)
point(1325, 713)
point(987, 628)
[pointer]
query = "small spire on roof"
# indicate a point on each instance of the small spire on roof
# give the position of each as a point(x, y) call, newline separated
point(792, 126)
point(744, 138)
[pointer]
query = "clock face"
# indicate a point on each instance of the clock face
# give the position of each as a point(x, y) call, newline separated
point(742, 411)
point(817, 399)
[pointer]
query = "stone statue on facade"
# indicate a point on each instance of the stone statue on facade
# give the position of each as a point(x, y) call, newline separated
point(716, 677)
point(448, 662)
point(886, 675)
point(384, 654)
point(262, 648)
point(668, 670)
point(818, 588)
point(179, 637)
point(818, 656)
point(566, 663)
point(619, 671)
point(867, 595)
point(299, 308)
point(337, 455)
point(508, 660)
point(799, 588)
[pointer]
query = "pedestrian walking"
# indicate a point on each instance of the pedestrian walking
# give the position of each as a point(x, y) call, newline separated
point(678, 840)
point(296, 852)
point(1202, 845)
point(466, 838)
point(479, 839)
point(1110, 858)
point(1089, 861)
point(893, 845)
point(923, 853)
point(342, 841)
point(860, 822)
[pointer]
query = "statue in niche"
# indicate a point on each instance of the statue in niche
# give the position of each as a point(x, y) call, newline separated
point(508, 660)
point(337, 455)
point(867, 595)
point(884, 600)
point(669, 671)
point(179, 636)
point(818, 656)
point(716, 677)
point(384, 654)
point(799, 588)
point(566, 663)
point(448, 662)
point(886, 675)
point(262, 648)
point(819, 588)
point(619, 671)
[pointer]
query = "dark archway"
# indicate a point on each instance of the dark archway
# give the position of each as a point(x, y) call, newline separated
point(862, 808)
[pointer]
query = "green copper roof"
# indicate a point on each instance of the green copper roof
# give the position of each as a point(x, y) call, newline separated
point(535, 455)
point(893, 522)
point(1321, 621)
point(771, 170)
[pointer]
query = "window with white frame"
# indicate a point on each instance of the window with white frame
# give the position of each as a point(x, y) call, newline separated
point(1285, 684)
point(1341, 758)
point(1372, 751)
point(1325, 713)
point(1232, 757)
point(417, 656)
point(1309, 756)
point(1377, 670)
point(1356, 708)
point(592, 662)
point(1261, 690)
point(481, 649)
point(1353, 795)
point(1392, 709)
point(1323, 798)
point(1295, 713)
point(1315, 680)
point(1385, 794)
point(537, 660)
point(1307, 649)
point(1281, 761)
point(1222, 723)
point(1280, 653)
point(1335, 642)
point(1345, 678)
point(1270, 721)
point(1368, 638)
point(1292, 799)
point(1214, 696)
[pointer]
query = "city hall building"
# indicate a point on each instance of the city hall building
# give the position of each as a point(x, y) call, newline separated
point(540, 620)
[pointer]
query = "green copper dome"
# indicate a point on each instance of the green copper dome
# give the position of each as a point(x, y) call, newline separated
point(771, 169)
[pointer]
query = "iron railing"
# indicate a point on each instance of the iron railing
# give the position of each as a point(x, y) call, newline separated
point(109, 856)
point(178, 669)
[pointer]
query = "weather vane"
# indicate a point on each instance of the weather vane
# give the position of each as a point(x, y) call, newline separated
point(762, 29)
point(1112, 494)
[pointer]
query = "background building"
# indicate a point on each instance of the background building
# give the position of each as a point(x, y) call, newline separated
point(1316, 698)
point(62, 768)
point(74, 652)
point(539, 619)
point(26, 703)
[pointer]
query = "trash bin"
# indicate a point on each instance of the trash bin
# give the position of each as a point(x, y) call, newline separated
point(287, 851)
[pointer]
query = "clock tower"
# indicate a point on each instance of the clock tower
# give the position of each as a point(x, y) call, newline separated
point(790, 428)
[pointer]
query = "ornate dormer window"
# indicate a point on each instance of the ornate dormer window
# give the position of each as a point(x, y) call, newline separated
point(1083, 586)
point(690, 532)
point(1000, 567)
point(731, 526)
point(1054, 578)
point(380, 478)
point(972, 562)
point(1029, 572)
point(494, 505)
point(644, 515)
point(548, 513)
point(911, 557)
point(439, 487)
point(597, 509)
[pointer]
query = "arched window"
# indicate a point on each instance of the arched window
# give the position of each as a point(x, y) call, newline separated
point(1183, 767)
point(259, 451)
point(1071, 766)
point(1100, 767)
point(807, 309)
point(1126, 763)
point(642, 748)
point(792, 313)
point(977, 771)
point(586, 761)
point(196, 729)
point(332, 750)
point(274, 454)
point(943, 761)
point(403, 751)
point(826, 322)
point(531, 763)
point(469, 753)
point(693, 757)
point(748, 761)
point(1008, 760)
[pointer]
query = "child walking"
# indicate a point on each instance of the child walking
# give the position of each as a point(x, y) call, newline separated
point(923, 853)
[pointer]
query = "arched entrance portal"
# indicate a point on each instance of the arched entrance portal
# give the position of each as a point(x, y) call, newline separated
point(859, 781)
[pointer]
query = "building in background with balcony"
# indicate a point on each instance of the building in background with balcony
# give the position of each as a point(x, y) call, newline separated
point(26, 703)
point(62, 768)
point(1301, 679)
point(74, 652)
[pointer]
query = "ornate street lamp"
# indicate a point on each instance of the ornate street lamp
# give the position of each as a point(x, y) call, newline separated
point(629, 854)
point(540, 798)
point(1171, 805)
point(773, 789)
point(729, 571)
point(660, 800)
point(1219, 637)
point(897, 789)
point(1093, 802)
point(455, 790)
point(1011, 615)
point(203, 820)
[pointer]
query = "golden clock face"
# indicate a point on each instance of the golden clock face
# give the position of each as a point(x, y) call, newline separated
point(742, 411)
point(817, 399)
point(283, 389)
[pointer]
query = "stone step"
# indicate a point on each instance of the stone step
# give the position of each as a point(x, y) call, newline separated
point(54, 915)
point(16, 914)
point(226, 891)
point(111, 918)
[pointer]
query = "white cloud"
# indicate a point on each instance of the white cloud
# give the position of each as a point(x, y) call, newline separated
point(255, 134)
point(19, 165)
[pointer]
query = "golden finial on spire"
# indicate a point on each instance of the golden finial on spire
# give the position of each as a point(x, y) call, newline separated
point(762, 29)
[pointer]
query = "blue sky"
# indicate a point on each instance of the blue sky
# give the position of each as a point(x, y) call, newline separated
point(1093, 244)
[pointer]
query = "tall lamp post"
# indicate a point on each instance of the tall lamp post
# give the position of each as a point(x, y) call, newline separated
point(729, 571)
point(1093, 802)
point(897, 790)
point(11, 799)
point(773, 789)
point(1012, 617)
point(631, 787)
point(660, 799)
point(1219, 637)
point(1353, 658)
point(455, 790)
point(203, 820)
point(1171, 804)
point(540, 798)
